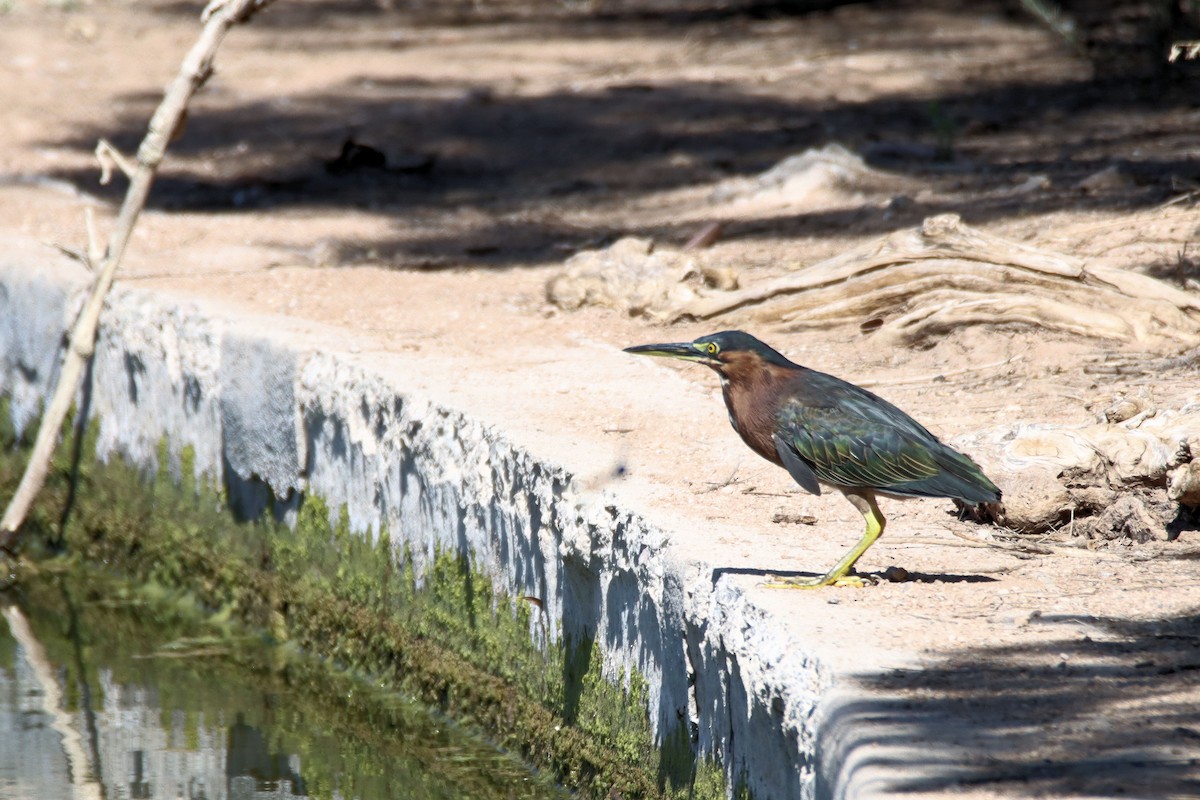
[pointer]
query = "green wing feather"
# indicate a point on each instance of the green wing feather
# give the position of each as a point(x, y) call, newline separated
point(851, 438)
point(850, 452)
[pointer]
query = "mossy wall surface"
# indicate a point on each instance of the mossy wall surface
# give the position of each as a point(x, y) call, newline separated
point(449, 640)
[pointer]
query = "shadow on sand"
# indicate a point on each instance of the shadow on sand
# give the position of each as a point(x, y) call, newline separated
point(517, 158)
point(1105, 708)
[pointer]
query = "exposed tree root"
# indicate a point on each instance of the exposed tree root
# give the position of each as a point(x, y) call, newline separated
point(1134, 476)
point(908, 288)
point(918, 284)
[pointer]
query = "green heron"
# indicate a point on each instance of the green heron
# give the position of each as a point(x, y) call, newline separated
point(823, 430)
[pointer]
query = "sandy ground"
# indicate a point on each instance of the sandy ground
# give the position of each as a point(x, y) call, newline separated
point(517, 135)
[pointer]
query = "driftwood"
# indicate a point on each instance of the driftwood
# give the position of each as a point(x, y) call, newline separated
point(921, 283)
point(908, 288)
point(1133, 475)
point(218, 17)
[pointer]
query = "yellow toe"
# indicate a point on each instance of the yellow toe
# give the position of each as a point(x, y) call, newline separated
point(856, 581)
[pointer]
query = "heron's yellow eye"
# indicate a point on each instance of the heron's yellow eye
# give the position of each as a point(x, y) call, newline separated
point(712, 348)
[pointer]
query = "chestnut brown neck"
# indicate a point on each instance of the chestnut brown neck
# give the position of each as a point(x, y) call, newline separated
point(753, 390)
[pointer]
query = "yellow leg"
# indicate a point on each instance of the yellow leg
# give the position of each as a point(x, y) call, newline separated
point(840, 574)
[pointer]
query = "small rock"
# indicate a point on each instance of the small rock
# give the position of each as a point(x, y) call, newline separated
point(479, 95)
point(327, 252)
point(83, 29)
point(899, 205)
point(796, 177)
point(634, 276)
point(355, 156)
point(719, 277)
point(631, 246)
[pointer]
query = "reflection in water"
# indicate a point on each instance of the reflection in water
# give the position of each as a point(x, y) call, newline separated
point(145, 751)
point(185, 723)
point(253, 768)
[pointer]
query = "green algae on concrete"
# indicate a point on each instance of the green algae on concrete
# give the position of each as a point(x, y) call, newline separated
point(454, 642)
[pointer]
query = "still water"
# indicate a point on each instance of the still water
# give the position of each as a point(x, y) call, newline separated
point(102, 698)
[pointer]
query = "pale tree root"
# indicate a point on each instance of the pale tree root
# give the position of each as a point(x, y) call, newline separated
point(908, 288)
point(915, 285)
point(1134, 476)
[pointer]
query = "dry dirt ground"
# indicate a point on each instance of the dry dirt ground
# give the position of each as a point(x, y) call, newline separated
point(516, 134)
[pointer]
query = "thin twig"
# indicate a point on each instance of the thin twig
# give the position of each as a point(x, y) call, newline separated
point(969, 543)
point(1045, 548)
point(71, 253)
point(95, 250)
point(713, 486)
point(1183, 198)
point(109, 156)
point(219, 17)
point(1053, 18)
point(1011, 547)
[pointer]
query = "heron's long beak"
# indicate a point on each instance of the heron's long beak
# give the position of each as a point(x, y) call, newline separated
point(686, 351)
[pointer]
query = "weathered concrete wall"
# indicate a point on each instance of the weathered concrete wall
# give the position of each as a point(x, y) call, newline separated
point(270, 415)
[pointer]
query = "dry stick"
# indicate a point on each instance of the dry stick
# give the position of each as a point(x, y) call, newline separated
point(1053, 18)
point(218, 18)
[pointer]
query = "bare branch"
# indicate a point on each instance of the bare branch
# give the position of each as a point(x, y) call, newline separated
point(218, 18)
point(920, 283)
point(71, 253)
point(109, 157)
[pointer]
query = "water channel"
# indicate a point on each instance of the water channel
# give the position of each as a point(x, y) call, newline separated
point(158, 702)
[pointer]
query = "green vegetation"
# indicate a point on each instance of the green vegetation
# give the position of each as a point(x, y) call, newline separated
point(352, 737)
point(318, 588)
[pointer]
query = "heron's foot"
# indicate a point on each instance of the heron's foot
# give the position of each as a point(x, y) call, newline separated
point(851, 579)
